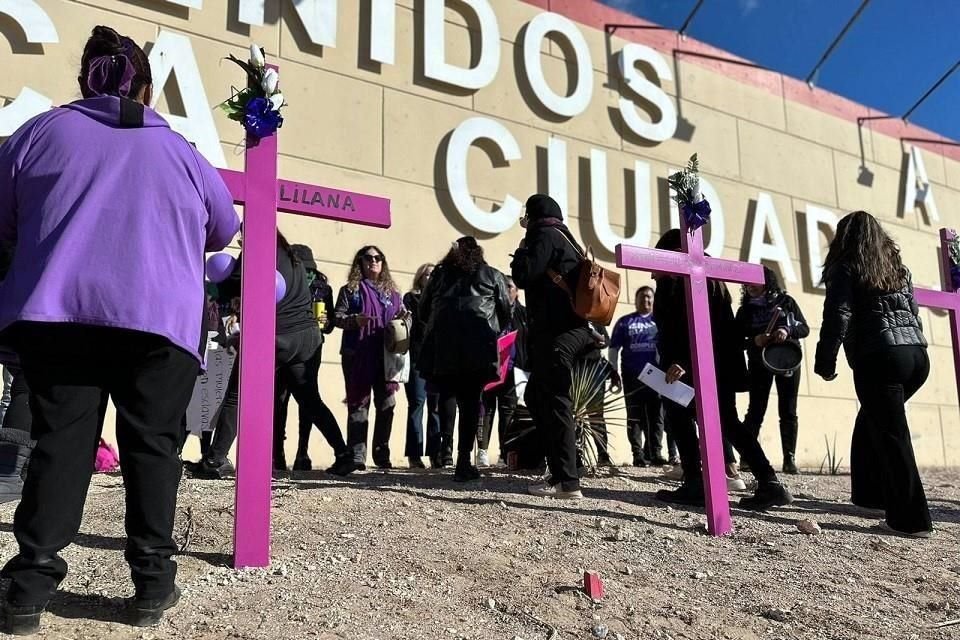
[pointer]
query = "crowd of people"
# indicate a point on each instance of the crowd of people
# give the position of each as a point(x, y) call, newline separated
point(73, 337)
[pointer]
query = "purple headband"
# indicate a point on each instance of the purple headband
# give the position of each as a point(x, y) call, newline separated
point(112, 75)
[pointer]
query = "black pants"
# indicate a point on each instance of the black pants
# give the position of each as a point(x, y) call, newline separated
point(70, 370)
point(297, 366)
point(761, 381)
point(682, 421)
point(644, 419)
point(549, 400)
point(883, 470)
point(18, 411)
point(304, 423)
point(358, 418)
point(462, 393)
point(504, 400)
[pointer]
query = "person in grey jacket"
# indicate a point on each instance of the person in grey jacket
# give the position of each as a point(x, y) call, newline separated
point(871, 311)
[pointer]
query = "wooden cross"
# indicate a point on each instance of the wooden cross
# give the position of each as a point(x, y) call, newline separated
point(947, 299)
point(263, 195)
point(698, 268)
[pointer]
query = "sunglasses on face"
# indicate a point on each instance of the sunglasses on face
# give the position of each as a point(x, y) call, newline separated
point(371, 258)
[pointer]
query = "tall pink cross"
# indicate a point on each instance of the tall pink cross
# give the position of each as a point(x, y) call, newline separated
point(698, 268)
point(263, 195)
point(948, 299)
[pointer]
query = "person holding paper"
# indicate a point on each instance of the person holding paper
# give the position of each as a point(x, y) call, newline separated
point(670, 314)
point(465, 307)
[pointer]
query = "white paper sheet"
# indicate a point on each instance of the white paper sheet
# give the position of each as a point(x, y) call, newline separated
point(656, 379)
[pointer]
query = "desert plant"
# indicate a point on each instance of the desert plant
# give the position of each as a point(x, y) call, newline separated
point(593, 404)
point(831, 461)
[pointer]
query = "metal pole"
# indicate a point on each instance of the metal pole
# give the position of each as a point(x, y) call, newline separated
point(936, 86)
point(836, 41)
point(686, 23)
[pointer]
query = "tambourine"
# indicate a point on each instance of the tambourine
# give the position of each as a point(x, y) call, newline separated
point(781, 358)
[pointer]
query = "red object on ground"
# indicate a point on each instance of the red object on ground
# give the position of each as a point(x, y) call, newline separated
point(593, 585)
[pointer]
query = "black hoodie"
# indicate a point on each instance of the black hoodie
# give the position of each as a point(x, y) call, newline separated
point(548, 245)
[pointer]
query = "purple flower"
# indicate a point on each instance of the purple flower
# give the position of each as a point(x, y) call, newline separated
point(696, 214)
point(260, 120)
point(955, 277)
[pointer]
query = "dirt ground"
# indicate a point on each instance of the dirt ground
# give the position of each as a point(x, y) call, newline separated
point(414, 555)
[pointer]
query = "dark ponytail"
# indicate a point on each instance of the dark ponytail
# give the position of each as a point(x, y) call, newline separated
point(113, 65)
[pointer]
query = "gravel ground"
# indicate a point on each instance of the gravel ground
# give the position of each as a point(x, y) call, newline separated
point(414, 555)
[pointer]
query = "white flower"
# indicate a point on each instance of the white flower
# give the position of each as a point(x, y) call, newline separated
point(276, 101)
point(695, 195)
point(270, 81)
point(256, 56)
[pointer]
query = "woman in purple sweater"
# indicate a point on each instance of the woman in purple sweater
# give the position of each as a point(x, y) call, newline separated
point(102, 200)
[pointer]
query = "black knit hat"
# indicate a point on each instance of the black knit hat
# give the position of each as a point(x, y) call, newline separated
point(305, 255)
point(540, 207)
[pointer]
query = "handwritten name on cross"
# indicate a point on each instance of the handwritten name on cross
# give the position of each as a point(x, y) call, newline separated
point(947, 300)
point(263, 194)
point(697, 268)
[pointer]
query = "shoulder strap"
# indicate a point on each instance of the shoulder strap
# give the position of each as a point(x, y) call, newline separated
point(570, 242)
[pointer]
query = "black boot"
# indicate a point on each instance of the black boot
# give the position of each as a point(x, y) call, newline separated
point(788, 437)
point(416, 462)
point(770, 493)
point(344, 465)
point(465, 471)
point(23, 621)
point(688, 493)
point(302, 463)
point(209, 469)
point(790, 464)
point(15, 448)
point(149, 612)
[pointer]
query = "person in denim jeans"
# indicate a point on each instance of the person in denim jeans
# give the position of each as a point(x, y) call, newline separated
point(418, 398)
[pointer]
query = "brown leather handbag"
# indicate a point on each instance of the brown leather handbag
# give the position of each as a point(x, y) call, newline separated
point(597, 289)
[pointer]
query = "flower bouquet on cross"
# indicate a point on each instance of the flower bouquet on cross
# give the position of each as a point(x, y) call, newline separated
point(955, 261)
point(256, 107)
point(686, 192)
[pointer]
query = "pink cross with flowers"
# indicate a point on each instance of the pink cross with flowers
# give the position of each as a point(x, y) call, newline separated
point(697, 268)
point(948, 299)
point(263, 194)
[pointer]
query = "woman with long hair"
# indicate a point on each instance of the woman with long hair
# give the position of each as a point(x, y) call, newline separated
point(758, 304)
point(102, 199)
point(365, 306)
point(465, 306)
point(870, 310)
point(418, 396)
point(298, 351)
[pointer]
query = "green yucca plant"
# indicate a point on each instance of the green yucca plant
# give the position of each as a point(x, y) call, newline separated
point(831, 461)
point(592, 409)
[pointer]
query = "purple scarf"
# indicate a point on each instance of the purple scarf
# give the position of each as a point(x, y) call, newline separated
point(367, 365)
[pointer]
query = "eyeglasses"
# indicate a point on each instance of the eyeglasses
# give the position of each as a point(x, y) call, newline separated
point(373, 258)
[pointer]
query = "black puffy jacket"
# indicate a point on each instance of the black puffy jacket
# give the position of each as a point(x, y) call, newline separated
point(864, 320)
point(464, 314)
point(752, 320)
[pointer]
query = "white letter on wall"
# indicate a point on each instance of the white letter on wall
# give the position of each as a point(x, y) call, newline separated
point(462, 139)
point(640, 86)
point(193, 4)
point(173, 52)
point(776, 250)
point(435, 64)
point(599, 203)
point(383, 31)
point(39, 29)
point(578, 101)
point(817, 216)
point(917, 189)
point(718, 230)
point(557, 180)
point(319, 18)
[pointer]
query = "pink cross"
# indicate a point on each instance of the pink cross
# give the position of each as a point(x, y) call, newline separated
point(263, 195)
point(948, 300)
point(698, 268)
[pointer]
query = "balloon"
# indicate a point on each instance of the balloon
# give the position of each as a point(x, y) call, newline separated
point(281, 287)
point(220, 266)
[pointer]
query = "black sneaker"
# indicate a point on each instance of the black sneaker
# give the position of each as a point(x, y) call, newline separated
point(23, 620)
point(384, 464)
point(417, 463)
point(466, 472)
point(208, 469)
point(302, 463)
point(640, 461)
point(768, 494)
point(689, 493)
point(659, 461)
point(149, 613)
point(344, 467)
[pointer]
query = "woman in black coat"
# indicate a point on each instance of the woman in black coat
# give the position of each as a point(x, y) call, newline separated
point(465, 305)
point(870, 310)
point(757, 307)
point(670, 315)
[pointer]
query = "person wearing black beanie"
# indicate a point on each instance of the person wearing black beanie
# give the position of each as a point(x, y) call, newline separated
point(557, 338)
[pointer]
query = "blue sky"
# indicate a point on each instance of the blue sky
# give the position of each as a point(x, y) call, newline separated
point(889, 58)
